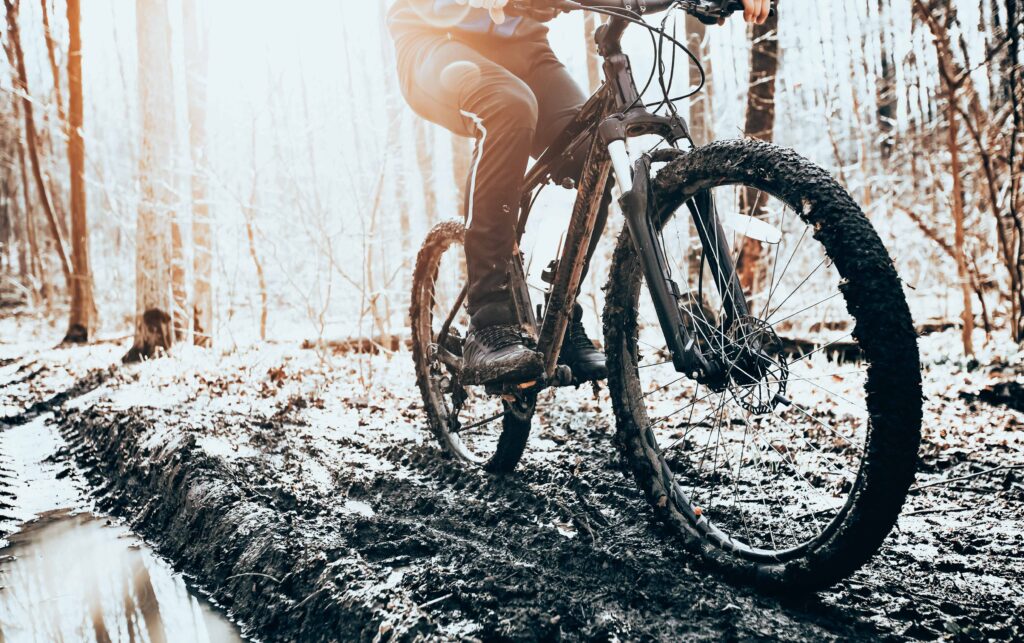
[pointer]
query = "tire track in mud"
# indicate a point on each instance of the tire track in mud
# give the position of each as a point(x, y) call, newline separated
point(561, 552)
point(447, 552)
point(7, 497)
point(285, 576)
point(412, 544)
point(86, 384)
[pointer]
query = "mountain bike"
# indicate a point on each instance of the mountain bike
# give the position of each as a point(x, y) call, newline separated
point(763, 363)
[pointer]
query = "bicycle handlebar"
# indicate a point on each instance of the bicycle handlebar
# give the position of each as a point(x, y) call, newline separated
point(707, 11)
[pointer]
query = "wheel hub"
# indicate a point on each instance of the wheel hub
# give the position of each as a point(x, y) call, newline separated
point(758, 373)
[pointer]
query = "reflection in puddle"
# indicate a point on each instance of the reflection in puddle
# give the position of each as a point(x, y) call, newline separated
point(71, 577)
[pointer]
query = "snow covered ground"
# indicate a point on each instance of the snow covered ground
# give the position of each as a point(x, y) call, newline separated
point(337, 444)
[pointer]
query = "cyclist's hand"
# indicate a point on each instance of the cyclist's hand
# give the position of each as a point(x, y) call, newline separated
point(755, 11)
point(495, 7)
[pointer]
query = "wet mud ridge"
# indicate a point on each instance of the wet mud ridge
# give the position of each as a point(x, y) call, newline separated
point(313, 512)
point(441, 551)
point(288, 573)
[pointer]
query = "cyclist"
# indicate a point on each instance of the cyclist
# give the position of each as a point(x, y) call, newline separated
point(480, 74)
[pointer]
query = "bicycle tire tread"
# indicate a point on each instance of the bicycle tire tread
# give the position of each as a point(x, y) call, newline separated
point(884, 330)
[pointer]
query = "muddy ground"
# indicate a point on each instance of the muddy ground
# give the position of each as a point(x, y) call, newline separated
point(301, 490)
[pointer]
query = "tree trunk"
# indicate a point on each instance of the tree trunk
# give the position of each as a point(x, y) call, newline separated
point(51, 53)
point(202, 237)
point(153, 301)
point(83, 319)
point(393, 153)
point(21, 232)
point(425, 160)
point(590, 47)
point(63, 216)
point(40, 282)
point(886, 82)
point(31, 136)
point(701, 114)
point(701, 127)
point(181, 314)
point(250, 233)
point(967, 315)
point(760, 124)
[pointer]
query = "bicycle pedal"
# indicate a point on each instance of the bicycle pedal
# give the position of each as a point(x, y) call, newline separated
point(509, 391)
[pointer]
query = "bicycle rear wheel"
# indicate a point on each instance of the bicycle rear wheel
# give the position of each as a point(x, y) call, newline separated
point(791, 471)
point(469, 424)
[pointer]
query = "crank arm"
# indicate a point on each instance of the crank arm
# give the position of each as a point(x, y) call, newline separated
point(444, 356)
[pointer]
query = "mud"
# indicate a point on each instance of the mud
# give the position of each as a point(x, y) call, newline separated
point(313, 511)
point(446, 551)
point(1010, 393)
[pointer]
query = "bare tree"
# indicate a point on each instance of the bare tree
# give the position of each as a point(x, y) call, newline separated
point(40, 285)
point(701, 125)
point(51, 54)
point(153, 301)
point(998, 163)
point(425, 160)
point(886, 80)
point(589, 46)
point(202, 237)
point(31, 135)
point(249, 211)
point(83, 307)
point(760, 124)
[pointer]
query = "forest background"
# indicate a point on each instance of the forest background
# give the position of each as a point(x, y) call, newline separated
point(240, 170)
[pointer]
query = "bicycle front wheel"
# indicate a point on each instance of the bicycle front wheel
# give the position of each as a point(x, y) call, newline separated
point(791, 470)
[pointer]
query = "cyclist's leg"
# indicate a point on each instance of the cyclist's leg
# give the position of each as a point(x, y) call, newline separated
point(452, 84)
point(559, 100)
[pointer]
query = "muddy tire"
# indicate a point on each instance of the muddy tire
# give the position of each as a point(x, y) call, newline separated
point(882, 328)
point(501, 446)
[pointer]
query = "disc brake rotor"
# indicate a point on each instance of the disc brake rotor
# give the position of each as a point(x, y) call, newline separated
point(758, 371)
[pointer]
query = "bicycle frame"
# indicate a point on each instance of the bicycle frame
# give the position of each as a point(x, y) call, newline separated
point(612, 116)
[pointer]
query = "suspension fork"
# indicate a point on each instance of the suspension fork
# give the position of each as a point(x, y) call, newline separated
point(638, 210)
point(715, 242)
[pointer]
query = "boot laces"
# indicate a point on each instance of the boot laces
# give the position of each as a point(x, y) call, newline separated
point(578, 336)
point(499, 337)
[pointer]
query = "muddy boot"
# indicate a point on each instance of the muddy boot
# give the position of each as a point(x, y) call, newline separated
point(499, 354)
point(579, 353)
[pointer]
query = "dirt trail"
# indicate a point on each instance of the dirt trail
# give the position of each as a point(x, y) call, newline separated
point(313, 511)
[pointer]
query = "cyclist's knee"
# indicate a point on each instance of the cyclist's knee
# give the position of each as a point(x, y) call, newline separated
point(517, 110)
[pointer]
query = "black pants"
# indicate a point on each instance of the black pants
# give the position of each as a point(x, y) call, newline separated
point(514, 97)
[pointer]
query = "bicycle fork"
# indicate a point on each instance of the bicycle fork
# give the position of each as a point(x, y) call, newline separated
point(636, 208)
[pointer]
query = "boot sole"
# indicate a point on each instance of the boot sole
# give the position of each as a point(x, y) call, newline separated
point(499, 374)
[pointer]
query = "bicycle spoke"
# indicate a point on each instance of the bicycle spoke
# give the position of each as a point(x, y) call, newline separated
point(756, 456)
point(476, 425)
point(664, 386)
point(803, 310)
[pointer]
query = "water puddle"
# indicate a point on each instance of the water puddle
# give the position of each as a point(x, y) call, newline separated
point(67, 577)
point(67, 574)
